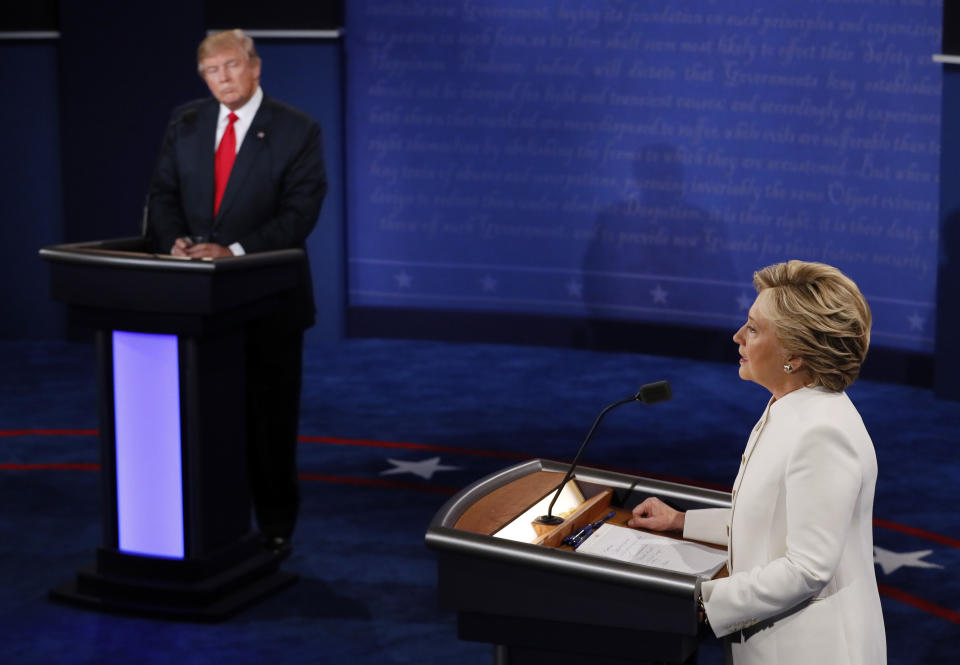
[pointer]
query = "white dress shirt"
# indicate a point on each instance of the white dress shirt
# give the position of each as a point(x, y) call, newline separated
point(245, 115)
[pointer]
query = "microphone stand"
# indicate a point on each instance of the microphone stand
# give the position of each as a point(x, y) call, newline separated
point(648, 394)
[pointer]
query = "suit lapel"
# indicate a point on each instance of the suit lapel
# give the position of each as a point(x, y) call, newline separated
point(253, 144)
point(204, 153)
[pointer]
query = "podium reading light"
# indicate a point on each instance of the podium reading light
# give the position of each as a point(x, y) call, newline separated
point(648, 394)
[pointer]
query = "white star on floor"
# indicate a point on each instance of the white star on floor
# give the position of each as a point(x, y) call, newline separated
point(489, 284)
point(404, 280)
point(424, 468)
point(916, 321)
point(659, 295)
point(892, 561)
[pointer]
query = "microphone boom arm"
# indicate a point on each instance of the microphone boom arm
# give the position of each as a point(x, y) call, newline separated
point(650, 393)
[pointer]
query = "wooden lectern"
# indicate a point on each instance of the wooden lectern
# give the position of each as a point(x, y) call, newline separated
point(544, 603)
point(177, 540)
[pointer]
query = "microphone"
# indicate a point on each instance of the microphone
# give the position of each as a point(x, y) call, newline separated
point(145, 218)
point(648, 394)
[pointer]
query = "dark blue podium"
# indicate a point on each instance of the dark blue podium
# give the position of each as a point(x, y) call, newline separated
point(177, 539)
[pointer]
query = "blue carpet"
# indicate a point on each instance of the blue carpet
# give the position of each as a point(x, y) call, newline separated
point(367, 589)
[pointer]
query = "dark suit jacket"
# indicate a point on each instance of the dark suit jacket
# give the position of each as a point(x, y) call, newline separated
point(274, 194)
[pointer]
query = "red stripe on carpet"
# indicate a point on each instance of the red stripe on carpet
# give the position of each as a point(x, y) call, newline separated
point(48, 432)
point(919, 603)
point(453, 450)
point(378, 482)
point(315, 477)
point(919, 533)
point(64, 466)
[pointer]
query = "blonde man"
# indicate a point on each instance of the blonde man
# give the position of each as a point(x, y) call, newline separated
point(241, 172)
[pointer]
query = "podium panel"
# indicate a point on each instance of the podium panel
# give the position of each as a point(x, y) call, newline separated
point(544, 602)
point(149, 464)
point(177, 537)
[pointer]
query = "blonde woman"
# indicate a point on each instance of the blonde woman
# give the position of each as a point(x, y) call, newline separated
point(802, 587)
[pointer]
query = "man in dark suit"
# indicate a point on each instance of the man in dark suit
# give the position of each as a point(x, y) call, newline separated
point(242, 173)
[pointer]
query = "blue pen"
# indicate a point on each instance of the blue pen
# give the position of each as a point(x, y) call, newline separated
point(573, 537)
point(586, 531)
point(599, 523)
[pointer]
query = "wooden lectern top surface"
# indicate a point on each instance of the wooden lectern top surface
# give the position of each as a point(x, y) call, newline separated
point(494, 511)
point(498, 508)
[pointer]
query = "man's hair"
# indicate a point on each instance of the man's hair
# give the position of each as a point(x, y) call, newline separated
point(820, 315)
point(223, 40)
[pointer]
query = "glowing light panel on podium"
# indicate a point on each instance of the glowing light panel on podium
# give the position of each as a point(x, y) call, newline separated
point(146, 389)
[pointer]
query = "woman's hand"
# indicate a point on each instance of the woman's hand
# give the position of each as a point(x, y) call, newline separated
point(655, 515)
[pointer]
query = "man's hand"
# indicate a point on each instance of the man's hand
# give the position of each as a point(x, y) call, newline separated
point(204, 250)
point(208, 250)
point(180, 246)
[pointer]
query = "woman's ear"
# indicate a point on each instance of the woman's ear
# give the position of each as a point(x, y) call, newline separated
point(795, 363)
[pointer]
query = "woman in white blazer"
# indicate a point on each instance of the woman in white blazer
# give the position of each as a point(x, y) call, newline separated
point(802, 588)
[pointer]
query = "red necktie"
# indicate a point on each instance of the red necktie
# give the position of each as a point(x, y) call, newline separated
point(223, 161)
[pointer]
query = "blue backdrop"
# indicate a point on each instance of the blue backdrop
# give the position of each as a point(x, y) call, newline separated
point(30, 188)
point(639, 161)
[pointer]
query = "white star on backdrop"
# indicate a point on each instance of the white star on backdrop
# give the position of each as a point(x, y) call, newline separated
point(424, 468)
point(404, 280)
point(744, 301)
point(574, 289)
point(659, 295)
point(489, 284)
point(892, 561)
point(916, 321)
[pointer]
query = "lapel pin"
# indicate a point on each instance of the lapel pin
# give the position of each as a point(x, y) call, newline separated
point(259, 135)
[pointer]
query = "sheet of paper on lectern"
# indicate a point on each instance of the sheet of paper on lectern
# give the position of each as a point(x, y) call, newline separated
point(521, 529)
point(647, 549)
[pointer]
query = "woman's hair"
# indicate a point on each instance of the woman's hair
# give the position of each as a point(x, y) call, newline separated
point(223, 40)
point(820, 315)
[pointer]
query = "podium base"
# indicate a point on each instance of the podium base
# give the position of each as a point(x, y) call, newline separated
point(207, 590)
